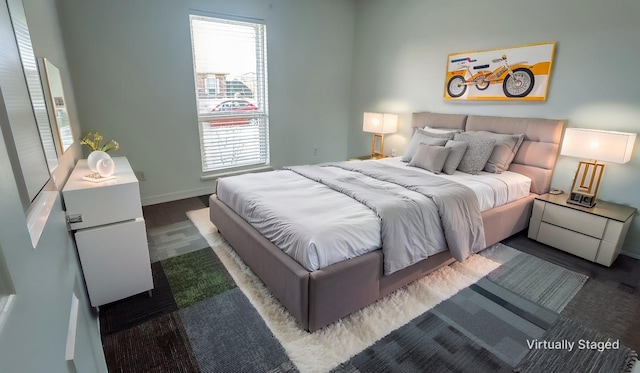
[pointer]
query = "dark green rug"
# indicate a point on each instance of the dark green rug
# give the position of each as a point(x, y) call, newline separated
point(196, 276)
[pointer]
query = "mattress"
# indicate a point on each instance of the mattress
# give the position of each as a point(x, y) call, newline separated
point(318, 226)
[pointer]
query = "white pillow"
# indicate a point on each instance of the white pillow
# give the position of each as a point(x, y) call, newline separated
point(440, 131)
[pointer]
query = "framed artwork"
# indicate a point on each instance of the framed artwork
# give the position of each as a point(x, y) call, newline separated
point(514, 73)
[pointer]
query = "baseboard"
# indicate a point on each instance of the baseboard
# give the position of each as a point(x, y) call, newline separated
point(631, 254)
point(168, 197)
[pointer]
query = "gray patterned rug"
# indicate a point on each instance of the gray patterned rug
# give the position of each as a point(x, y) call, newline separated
point(208, 314)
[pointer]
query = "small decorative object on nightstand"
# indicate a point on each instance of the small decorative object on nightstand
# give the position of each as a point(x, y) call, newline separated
point(593, 233)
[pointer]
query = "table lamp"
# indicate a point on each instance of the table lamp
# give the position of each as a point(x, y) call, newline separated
point(597, 146)
point(379, 124)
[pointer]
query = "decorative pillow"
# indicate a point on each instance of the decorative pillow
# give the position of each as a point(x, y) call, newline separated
point(419, 136)
point(478, 152)
point(440, 131)
point(430, 157)
point(458, 148)
point(503, 152)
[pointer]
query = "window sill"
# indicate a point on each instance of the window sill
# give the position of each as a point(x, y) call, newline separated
point(212, 176)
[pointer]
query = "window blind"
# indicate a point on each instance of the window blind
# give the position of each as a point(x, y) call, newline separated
point(230, 70)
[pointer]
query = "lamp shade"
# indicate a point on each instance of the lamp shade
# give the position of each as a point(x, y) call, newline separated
point(604, 146)
point(380, 123)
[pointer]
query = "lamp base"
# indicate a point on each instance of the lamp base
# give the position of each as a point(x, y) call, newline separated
point(582, 199)
point(377, 145)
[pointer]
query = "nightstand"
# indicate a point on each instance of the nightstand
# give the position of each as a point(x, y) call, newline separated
point(367, 157)
point(110, 233)
point(595, 234)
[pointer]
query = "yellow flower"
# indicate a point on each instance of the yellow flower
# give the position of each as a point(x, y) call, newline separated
point(93, 140)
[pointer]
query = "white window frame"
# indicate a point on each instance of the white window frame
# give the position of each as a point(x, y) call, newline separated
point(244, 145)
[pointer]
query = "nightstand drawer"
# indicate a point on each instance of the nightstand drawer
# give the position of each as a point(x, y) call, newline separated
point(574, 220)
point(569, 241)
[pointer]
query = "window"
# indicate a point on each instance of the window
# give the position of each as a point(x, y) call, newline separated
point(212, 86)
point(232, 112)
point(27, 124)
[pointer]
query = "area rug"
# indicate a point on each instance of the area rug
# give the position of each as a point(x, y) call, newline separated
point(619, 316)
point(128, 350)
point(577, 349)
point(174, 239)
point(337, 343)
point(544, 283)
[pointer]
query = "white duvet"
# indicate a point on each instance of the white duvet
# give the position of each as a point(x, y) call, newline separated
point(318, 226)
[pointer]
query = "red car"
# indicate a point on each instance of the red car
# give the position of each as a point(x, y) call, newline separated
point(229, 107)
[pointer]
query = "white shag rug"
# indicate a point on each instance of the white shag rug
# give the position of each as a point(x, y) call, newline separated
point(336, 343)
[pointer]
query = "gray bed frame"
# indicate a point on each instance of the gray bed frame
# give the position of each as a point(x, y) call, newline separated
point(316, 299)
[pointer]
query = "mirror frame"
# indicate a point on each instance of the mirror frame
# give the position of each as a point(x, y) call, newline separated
point(56, 104)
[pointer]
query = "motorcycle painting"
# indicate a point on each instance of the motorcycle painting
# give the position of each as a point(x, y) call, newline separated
point(514, 73)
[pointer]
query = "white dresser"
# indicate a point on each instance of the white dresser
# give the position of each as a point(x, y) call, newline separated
point(110, 232)
point(595, 234)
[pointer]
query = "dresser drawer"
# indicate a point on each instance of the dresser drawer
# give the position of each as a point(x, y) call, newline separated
point(572, 242)
point(574, 220)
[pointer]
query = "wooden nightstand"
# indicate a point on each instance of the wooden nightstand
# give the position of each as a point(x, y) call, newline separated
point(366, 157)
point(595, 234)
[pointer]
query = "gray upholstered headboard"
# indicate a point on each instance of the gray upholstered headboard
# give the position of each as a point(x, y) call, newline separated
point(538, 153)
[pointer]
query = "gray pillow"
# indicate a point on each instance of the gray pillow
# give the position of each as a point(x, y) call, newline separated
point(503, 152)
point(458, 148)
point(419, 136)
point(430, 157)
point(478, 152)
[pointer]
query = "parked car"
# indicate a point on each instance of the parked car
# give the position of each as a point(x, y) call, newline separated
point(230, 106)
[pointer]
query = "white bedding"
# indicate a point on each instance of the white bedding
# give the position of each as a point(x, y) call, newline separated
point(318, 226)
point(492, 190)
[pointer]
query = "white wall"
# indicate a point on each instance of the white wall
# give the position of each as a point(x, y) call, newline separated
point(133, 77)
point(400, 56)
point(35, 334)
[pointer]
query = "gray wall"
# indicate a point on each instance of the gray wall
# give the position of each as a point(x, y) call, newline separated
point(34, 337)
point(133, 76)
point(400, 56)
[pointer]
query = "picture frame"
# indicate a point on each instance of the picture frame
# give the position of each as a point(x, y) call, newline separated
point(518, 73)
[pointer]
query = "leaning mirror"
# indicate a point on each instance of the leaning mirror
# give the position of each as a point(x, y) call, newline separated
point(56, 103)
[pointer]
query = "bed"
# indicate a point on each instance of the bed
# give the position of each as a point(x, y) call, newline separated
point(317, 297)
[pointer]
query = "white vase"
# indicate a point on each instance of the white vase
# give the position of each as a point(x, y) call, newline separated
point(106, 167)
point(94, 157)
